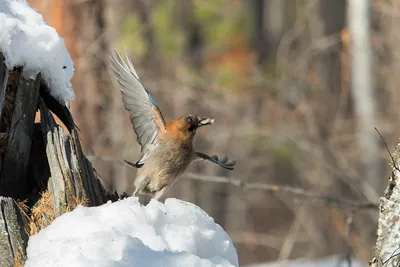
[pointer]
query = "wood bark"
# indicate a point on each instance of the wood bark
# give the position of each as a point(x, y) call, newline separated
point(13, 237)
point(387, 248)
point(72, 176)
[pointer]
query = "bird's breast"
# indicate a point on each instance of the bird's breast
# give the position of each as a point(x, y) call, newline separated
point(174, 159)
point(167, 161)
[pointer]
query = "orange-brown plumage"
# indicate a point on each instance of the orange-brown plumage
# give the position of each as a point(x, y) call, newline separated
point(167, 149)
point(177, 130)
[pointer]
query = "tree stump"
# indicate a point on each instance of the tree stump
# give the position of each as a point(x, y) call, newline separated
point(44, 172)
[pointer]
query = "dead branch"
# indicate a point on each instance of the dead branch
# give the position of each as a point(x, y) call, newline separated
point(285, 189)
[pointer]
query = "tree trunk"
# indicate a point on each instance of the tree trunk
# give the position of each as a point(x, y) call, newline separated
point(387, 248)
point(362, 87)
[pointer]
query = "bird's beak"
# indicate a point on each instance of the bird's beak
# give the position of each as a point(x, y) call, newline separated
point(205, 121)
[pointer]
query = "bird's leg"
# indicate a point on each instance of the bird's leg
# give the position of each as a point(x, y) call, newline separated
point(135, 165)
point(161, 193)
point(135, 193)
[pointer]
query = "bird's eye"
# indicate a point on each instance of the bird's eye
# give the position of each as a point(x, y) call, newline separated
point(189, 119)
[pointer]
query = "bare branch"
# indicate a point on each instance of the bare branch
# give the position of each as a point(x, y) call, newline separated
point(285, 189)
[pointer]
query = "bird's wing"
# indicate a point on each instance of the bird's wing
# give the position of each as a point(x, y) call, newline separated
point(221, 161)
point(145, 115)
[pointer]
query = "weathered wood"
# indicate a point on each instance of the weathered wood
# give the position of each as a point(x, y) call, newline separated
point(72, 178)
point(13, 237)
point(3, 81)
point(13, 175)
point(60, 182)
point(94, 191)
point(387, 248)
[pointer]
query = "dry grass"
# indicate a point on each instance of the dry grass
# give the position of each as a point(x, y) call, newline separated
point(22, 204)
point(76, 202)
point(42, 214)
point(18, 259)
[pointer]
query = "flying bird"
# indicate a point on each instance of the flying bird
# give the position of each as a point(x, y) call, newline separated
point(166, 148)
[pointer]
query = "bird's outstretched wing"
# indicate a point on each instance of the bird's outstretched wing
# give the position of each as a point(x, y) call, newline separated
point(145, 115)
point(223, 161)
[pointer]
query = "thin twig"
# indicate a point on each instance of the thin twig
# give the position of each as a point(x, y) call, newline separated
point(387, 149)
point(284, 189)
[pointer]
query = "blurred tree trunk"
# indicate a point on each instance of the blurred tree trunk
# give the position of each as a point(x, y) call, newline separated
point(328, 22)
point(144, 9)
point(190, 27)
point(259, 38)
point(269, 22)
point(362, 84)
point(90, 70)
point(333, 15)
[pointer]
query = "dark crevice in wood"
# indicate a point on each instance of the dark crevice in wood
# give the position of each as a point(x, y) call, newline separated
point(13, 178)
point(3, 82)
point(13, 80)
point(38, 167)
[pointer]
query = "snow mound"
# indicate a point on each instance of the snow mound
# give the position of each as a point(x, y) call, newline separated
point(125, 233)
point(26, 40)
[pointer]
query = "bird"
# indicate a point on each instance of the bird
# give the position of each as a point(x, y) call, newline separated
point(166, 148)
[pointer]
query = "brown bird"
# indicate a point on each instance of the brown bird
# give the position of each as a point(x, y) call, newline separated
point(167, 149)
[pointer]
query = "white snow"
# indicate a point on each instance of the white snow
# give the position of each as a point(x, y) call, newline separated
point(26, 40)
point(125, 233)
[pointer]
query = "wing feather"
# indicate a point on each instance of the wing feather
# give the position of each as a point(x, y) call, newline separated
point(145, 115)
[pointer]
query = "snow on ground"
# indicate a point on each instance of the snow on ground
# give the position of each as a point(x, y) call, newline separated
point(125, 233)
point(332, 261)
point(26, 40)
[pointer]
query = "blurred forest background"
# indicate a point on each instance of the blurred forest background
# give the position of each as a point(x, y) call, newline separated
point(279, 78)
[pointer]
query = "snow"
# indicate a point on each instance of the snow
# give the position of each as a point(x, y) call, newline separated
point(332, 261)
point(26, 40)
point(126, 233)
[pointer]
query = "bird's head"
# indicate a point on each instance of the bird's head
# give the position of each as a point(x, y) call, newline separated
point(191, 123)
point(185, 127)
